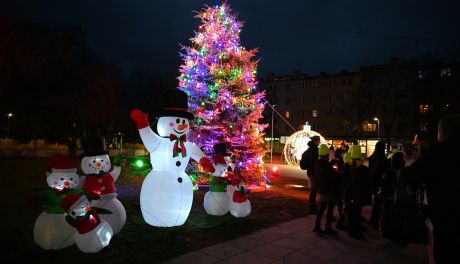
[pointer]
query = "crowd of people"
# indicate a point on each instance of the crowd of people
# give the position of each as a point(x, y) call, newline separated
point(412, 192)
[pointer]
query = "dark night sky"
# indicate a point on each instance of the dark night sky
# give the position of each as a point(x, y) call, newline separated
point(311, 36)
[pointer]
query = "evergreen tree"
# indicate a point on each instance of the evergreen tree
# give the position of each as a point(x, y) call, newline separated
point(219, 75)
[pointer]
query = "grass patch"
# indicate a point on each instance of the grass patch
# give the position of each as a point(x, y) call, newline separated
point(21, 179)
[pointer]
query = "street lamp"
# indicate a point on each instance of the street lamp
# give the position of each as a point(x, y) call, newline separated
point(271, 141)
point(378, 127)
point(10, 115)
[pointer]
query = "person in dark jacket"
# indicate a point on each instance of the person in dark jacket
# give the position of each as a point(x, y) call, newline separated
point(326, 177)
point(438, 170)
point(356, 191)
point(309, 157)
point(388, 194)
point(342, 210)
point(378, 164)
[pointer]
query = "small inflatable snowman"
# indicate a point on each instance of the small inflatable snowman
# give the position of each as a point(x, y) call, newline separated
point(51, 231)
point(96, 164)
point(216, 200)
point(93, 233)
point(167, 192)
point(240, 205)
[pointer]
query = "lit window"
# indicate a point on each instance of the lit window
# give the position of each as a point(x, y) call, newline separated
point(424, 109)
point(446, 72)
point(287, 114)
point(314, 113)
point(420, 74)
point(368, 127)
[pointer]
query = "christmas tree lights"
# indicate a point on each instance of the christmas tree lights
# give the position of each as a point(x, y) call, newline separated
point(219, 76)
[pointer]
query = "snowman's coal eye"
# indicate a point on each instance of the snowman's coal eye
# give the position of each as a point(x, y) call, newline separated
point(177, 121)
point(62, 179)
point(94, 161)
point(102, 160)
point(183, 122)
point(82, 207)
point(71, 178)
point(72, 213)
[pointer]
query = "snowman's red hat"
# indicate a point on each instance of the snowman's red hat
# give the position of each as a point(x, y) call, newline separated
point(60, 163)
point(219, 159)
point(70, 201)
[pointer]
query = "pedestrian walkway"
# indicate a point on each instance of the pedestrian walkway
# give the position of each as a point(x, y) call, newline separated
point(294, 242)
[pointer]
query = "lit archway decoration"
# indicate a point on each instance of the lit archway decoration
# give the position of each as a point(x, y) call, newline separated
point(297, 143)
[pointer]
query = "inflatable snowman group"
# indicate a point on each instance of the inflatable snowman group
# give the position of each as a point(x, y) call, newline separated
point(167, 192)
point(72, 203)
point(226, 191)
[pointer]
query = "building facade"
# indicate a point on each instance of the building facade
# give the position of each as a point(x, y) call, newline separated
point(395, 101)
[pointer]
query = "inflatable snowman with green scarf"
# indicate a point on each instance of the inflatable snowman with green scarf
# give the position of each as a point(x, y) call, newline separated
point(167, 191)
point(51, 231)
point(216, 200)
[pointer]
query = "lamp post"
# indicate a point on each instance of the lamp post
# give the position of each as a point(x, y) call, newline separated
point(120, 141)
point(271, 140)
point(378, 127)
point(10, 115)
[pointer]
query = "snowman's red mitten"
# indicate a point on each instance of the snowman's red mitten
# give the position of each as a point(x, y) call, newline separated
point(207, 165)
point(141, 119)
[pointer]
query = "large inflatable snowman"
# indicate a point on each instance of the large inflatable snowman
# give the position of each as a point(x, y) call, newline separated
point(167, 192)
point(51, 231)
point(216, 200)
point(93, 233)
point(96, 164)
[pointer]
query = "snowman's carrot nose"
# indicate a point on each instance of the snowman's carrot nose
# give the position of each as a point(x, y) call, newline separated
point(66, 183)
point(182, 126)
point(98, 164)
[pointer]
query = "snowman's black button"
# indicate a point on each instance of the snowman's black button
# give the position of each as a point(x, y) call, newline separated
point(179, 179)
point(179, 150)
point(178, 163)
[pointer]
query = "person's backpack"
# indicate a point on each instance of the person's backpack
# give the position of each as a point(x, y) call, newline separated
point(306, 157)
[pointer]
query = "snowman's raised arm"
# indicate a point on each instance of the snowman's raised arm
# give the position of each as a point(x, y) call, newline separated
point(198, 155)
point(149, 138)
point(115, 172)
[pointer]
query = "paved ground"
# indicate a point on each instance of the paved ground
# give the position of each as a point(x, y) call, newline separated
point(294, 242)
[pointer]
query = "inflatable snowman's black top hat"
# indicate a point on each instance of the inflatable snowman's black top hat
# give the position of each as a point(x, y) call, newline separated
point(221, 149)
point(93, 146)
point(174, 103)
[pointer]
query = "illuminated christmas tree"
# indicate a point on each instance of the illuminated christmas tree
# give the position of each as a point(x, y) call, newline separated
point(219, 75)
